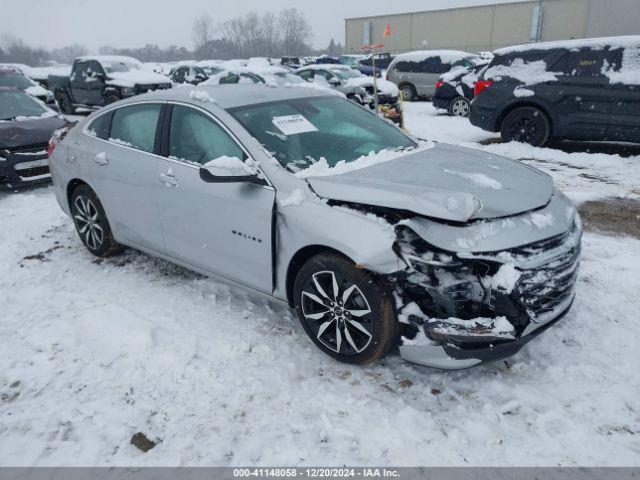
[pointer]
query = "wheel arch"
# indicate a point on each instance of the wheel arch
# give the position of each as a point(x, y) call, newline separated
point(71, 187)
point(519, 104)
point(299, 259)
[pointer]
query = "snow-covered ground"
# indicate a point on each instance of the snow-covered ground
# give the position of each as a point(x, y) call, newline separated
point(94, 351)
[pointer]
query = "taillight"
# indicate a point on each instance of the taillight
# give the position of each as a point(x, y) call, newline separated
point(439, 83)
point(481, 85)
point(51, 147)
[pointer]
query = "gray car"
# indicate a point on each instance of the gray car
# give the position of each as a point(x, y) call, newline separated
point(377, 239)
point(416, 73)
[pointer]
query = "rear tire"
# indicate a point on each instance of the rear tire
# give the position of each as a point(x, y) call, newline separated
point(64, 103)
point(526, 125)
point(409, 93)
point(91, 223)
point(345, 310)
point(459, 107)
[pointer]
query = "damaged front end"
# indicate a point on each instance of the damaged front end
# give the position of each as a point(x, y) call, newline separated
point(466, 308)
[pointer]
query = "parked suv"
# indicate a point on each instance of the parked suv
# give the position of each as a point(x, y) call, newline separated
point(376, 238)
point(416, 73)
point(455, 90)
point(575, 90)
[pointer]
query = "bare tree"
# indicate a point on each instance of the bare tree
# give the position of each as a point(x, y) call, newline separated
point(295, 31)
point(202, 32)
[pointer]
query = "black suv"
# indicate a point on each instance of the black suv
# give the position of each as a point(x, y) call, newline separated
point(571, 90)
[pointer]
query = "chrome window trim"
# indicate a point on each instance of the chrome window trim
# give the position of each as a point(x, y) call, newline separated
point(85, 131)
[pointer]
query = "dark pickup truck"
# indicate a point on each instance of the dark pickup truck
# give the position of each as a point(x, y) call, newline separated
point(99, 80)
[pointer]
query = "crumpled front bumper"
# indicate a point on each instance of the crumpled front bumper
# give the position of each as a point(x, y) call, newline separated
point(495, 323)
point(453, 357)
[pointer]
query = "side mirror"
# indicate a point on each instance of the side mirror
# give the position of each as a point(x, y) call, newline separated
point(334, 81)
point(101, 77)
point(229, 170)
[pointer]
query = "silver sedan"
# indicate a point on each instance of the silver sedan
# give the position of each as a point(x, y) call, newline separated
point(379, 240)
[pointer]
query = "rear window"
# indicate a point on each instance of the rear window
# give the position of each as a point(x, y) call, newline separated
point(589, 63)
point(430, 65)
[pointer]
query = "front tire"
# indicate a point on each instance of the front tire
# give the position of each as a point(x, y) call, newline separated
point(345, 310)
point(91, 223)
point(526, 125)
point(459, 107)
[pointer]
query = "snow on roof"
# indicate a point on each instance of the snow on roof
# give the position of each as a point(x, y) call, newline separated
point(111, 59)
point(446, 56)
point(603, 42)
point(325, 66)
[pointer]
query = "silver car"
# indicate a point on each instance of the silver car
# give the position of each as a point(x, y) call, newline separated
point(378, 240)
point(416, 73)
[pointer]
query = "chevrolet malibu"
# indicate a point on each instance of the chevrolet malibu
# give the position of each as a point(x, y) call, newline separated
point(379, 240)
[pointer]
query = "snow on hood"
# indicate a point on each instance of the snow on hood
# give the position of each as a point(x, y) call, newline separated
point(384, 86)
point(37, 91)
point(132, 78)
point(446, 182)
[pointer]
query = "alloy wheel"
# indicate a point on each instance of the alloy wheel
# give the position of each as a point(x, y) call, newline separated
point(460, 108)
point(337, 312)
point(87, 219)
point(524, 129)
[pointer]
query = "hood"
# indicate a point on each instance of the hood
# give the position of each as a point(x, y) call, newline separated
point(445, 182)
point(37, 91)
point(36, 131)
point(136, 77)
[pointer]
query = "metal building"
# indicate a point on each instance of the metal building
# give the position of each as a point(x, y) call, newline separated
point(487, 27)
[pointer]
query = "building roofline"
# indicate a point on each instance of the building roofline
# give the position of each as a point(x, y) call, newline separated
point(465, 7)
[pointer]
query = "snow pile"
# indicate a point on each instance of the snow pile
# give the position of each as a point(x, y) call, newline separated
point(506, 278)
point(322, 168)
point(201, 96)
point(295, 199)
point(446, 56)
point(384, 86)
point(531, 73)
point(479, 179)
point(523, 92)
point(477, 327)
point(226, 166)
point(629, 72)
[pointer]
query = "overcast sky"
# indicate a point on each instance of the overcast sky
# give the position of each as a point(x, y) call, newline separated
point(134, 23)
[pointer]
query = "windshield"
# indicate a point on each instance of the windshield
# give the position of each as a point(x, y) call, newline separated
point(301, 131)
point(346, 74)
point(17, 104)
point(119, 67)
point(14, 79)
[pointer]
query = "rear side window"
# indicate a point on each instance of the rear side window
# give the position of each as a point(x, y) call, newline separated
point(101, 126)
point(135, 126)
point(196, 138)
point(589, 63)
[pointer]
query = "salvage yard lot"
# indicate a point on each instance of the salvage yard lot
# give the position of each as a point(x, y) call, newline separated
point(95, 351)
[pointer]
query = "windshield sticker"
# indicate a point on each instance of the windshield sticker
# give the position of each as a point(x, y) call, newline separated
point(293, 124)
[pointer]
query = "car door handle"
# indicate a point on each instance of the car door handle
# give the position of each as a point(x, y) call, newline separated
point(169, 180)
point(72, 159)
point(101, 159)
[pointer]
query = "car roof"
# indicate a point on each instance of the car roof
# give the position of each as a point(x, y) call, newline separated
point(619, 42)
point(230, 95)
point(109, 59)
point(5, 70)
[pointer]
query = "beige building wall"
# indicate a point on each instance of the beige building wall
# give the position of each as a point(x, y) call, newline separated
point(493, 26)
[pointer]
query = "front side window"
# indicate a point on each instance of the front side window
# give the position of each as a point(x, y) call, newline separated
point(307, 75)
point(135, 126)
point(196, 138)
point(301, 132)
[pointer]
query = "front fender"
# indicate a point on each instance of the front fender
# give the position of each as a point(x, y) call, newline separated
point(365, 238)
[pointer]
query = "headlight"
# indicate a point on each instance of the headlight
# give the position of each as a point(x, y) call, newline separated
point(128, 91)
point(419, 255)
